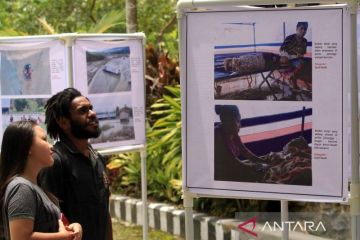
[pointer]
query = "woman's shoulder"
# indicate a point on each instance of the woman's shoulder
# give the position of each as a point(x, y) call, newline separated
point(19, 183)
point(20, 188)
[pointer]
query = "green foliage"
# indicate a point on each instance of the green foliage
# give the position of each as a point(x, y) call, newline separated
point(9, 32)
point(164, 147)
point(125, 174)
point(158, 22)
point(20, 105)
point(37, 17)
point(63, 15)
point(28, 105)
point(167, 128)
point(108, 21)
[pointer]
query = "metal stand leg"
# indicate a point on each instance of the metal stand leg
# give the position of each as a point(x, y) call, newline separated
point(284, 218)
point(144, 194)
point(189, 224)
point(355, 181)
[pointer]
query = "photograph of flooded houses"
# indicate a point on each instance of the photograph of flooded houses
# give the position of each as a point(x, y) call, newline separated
point(115, 118)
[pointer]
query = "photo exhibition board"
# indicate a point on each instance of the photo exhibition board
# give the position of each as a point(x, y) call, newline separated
point(267, 103)
point(31, 71)
point(111, 74)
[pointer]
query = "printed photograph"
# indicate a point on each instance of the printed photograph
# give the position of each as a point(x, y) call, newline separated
point(109, 70)
point(115, 116)
point(23, 109)
point(25, 72)
point(273, 148)
point(274, 67)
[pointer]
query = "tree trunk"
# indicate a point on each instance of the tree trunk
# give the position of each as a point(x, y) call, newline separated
point(131, 16)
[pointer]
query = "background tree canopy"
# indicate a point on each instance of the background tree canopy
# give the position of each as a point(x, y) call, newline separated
point(38, 17)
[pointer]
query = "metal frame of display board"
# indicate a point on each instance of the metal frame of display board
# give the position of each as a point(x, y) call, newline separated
point(68, 39)
point(205, 5)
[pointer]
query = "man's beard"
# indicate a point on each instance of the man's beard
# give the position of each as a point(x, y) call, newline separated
point(79, 130)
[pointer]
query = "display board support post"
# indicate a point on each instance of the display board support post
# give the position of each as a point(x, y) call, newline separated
point(69, 41)
point(188, 205)
point(355, 186)
point(188, 198)
point(143, 166)
point(285, 218)
point(144, 193)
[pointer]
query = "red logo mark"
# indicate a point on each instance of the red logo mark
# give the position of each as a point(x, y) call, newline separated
point(253, 222)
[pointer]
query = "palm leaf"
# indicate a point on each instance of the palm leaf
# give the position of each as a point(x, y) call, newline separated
point(108, 21)
point(48, 28)
point(173, 103)
point(173, 152)
point(159, 105)
point(158, 132)
point(11, 32)
point(162, 124)
point(161, 112)
point(168, 136)
point(174, 90)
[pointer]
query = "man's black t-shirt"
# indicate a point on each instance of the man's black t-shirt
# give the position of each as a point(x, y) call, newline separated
point(81, 185)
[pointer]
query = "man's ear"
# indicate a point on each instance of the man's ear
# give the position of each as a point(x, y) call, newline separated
point(63, 123)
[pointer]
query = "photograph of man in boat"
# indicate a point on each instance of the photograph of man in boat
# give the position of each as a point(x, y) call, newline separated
point(278, 156)
point(277, 68)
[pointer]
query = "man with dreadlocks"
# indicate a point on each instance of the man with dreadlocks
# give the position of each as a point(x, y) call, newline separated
point(78, 177)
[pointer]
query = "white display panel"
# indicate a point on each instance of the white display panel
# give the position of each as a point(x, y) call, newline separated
point(31, 71)
point(111, 74)
point(235, 58)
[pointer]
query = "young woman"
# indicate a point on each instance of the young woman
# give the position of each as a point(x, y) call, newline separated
point(27, 211)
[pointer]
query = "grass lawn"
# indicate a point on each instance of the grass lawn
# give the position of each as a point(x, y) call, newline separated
point(126, 231)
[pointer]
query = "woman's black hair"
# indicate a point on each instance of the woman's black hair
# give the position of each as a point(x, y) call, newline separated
point(56, 107)
point(17, 141)
point(16, 144)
